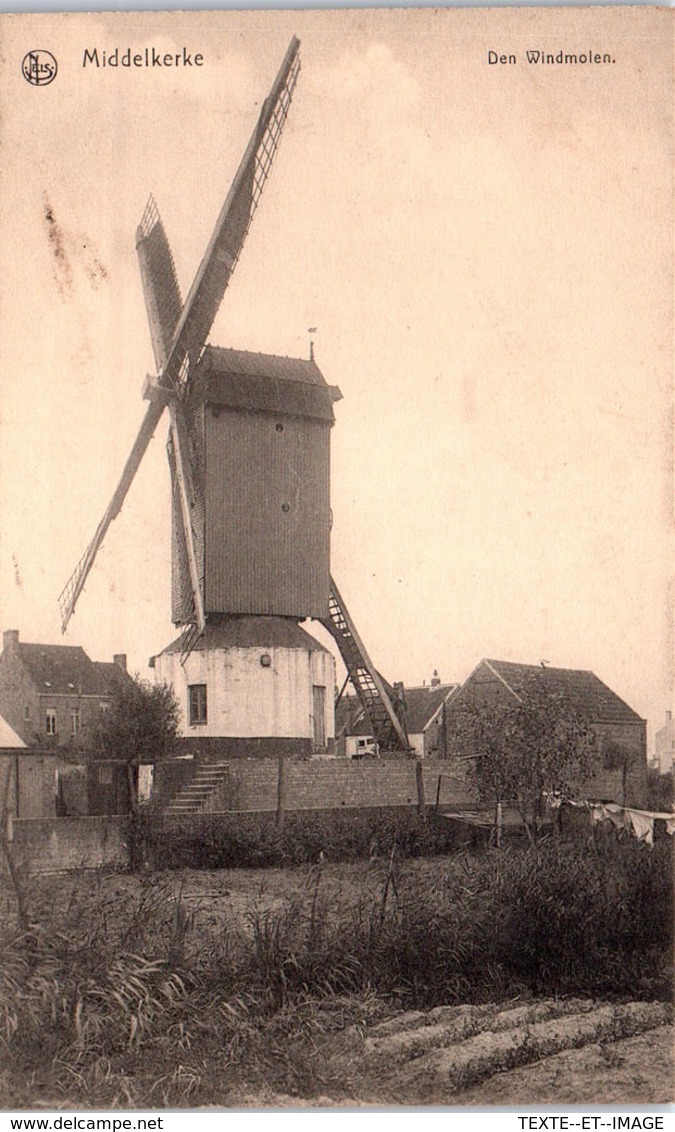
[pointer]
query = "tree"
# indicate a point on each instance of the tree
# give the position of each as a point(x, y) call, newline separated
point(140, 726)
point(524, 747)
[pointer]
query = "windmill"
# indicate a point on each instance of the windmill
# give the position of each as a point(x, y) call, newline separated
point(248, 453)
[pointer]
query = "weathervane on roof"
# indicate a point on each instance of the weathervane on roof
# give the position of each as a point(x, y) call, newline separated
point(275, 420)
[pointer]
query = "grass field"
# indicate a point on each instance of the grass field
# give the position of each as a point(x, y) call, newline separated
point(205, 987)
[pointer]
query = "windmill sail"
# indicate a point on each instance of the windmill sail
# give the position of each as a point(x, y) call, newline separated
point(188, 564)
point(183, 477)
point(192, 326)
point(233, 224)
point(163, 304)
point(181, 584)
point(75, 584)
point(160, 284)
point(371, 689)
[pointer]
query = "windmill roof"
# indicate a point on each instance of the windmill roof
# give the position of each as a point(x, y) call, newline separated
point(225, 631)
point(268, 383)
point(67, 670)
point(250, 363)
point(583, 689)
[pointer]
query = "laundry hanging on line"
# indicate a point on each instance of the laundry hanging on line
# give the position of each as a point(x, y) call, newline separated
point(638, 822)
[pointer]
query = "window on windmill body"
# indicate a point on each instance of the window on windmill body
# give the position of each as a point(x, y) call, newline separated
point(50, 722)
point(75, 721)
point(197, 703)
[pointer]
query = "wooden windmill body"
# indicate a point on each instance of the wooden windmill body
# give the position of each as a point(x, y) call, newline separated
point(249, 456)
point(259, 435)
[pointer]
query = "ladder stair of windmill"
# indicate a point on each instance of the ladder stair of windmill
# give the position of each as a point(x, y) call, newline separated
point(249, 540)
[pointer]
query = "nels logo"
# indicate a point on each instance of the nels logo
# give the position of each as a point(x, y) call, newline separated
point(39, 68)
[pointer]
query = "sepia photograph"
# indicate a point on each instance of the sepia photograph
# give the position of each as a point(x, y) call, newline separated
point(336, 560)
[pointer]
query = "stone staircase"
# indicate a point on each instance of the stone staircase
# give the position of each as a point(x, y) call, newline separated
point(199, 795)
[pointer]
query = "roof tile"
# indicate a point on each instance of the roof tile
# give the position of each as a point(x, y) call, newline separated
point(584, 690)
point(66, 669)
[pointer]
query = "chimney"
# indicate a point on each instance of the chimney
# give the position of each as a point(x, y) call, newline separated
point(10, 637)
point(435, 679)
point(120, 659)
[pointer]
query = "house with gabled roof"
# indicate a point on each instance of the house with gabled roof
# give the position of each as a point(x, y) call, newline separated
point(49, 692)
point(424, 714)
point(621, 734)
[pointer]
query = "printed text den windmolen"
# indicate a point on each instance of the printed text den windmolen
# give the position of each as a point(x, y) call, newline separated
point(555, 58)
point(149, 57)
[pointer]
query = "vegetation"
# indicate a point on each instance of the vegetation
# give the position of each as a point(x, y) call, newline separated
point(660, 793)
point(224, 841)
point(524, 748)
point(140, 726)
point(138, 994)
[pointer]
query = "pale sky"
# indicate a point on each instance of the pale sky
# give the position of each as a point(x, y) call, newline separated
point(487, 253)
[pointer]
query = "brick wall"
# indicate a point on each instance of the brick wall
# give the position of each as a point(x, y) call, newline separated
point(623, 750)
point(335, 783)
point(607, 786)
point(316, 784)
point(46, 845)
point(19, 701)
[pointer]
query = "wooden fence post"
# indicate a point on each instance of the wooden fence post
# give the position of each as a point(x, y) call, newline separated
point(419, 777)
point(499, 825)
point(281, 791)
